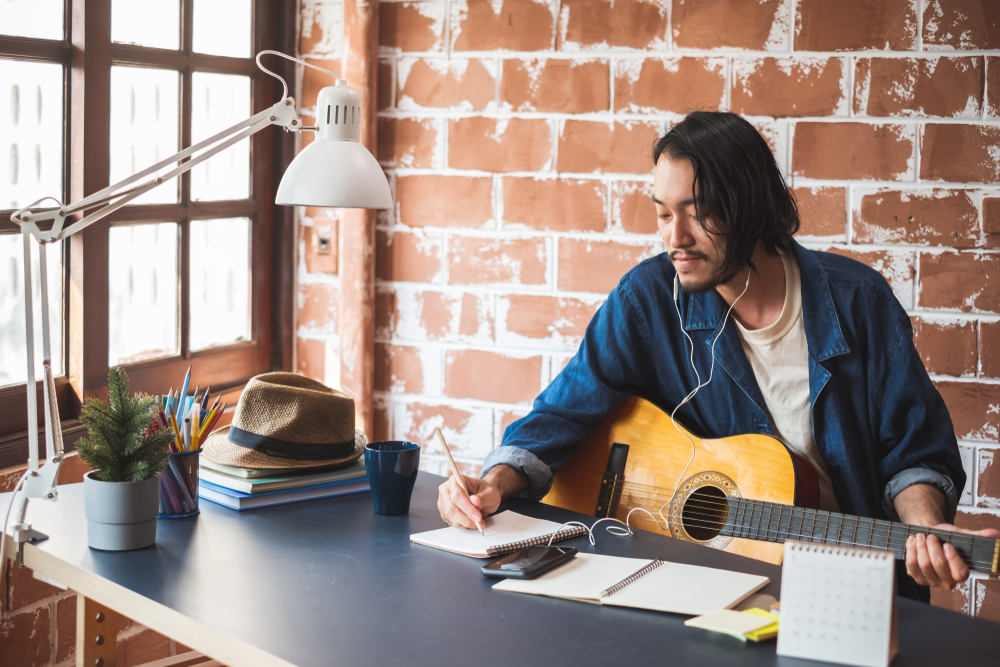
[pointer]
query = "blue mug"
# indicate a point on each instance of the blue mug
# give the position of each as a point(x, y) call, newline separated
point(392, 472)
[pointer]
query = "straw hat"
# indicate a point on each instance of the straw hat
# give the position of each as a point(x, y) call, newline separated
point(284, 420)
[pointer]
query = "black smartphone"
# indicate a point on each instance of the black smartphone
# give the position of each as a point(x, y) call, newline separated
point(528, 563)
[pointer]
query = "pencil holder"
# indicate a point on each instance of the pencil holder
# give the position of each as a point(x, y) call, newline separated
point(179, 486)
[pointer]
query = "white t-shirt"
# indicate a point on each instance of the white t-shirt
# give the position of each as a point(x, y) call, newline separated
point(779, 355)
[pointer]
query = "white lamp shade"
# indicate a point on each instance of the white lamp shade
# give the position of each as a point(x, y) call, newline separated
point(335, 173)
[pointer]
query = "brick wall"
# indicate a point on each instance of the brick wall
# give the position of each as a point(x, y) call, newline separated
point(517, 134)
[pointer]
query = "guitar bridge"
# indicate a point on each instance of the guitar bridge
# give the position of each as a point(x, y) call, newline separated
point(612, 482)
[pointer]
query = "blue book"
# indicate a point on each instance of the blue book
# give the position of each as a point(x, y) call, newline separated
point(238, 500)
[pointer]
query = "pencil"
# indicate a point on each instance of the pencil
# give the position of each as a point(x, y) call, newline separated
point(183, 394)
point(454, 471)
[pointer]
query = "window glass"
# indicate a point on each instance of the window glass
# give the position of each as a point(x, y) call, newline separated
point(146, 23)
point(220, 282)
point(237, 17)
point(144, 121)
point(219, 101)
point(13, 351)
point(31, 132)
point(32, 18)
point(142, 292)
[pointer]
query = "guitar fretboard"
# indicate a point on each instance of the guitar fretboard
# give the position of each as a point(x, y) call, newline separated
point(771, 522)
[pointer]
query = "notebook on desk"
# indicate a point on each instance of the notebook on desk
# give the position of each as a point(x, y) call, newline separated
point(503, 533)
point(641, 584)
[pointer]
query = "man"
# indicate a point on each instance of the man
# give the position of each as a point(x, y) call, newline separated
point(819, 354)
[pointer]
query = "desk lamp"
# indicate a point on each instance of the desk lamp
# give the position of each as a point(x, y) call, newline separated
point(334, 170)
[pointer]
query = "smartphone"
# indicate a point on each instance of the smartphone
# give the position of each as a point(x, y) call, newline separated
point(528, 563)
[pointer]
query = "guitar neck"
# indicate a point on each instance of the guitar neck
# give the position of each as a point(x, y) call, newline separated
point(771, 522)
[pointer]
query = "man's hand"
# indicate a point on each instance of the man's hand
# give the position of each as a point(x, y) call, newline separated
point(932, 563)
point(462, 512)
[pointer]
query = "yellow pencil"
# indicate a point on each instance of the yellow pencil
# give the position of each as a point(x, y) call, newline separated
point(177, 432)
point(454, 471)
point(195, 429)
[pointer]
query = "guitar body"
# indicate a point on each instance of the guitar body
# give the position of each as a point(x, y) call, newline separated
point(603, 478)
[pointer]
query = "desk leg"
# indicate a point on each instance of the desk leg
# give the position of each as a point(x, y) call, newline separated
point(96, 634)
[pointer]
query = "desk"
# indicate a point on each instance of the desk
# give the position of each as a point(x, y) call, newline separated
point(328, 582)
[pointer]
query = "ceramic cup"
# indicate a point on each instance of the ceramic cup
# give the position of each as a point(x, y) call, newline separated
point(392, 471)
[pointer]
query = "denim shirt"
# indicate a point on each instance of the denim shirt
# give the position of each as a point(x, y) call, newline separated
point(879, 423)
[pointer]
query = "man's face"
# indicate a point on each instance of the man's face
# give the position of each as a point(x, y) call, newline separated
point(692, 251)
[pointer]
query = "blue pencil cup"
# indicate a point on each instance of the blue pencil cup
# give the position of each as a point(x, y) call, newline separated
point(392, 472)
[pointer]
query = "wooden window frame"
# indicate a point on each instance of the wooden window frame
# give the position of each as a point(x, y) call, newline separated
point(88, 55)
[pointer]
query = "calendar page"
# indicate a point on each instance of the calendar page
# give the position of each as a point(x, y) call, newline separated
point(837, 605)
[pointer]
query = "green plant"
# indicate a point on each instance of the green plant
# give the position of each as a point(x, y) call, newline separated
point(122, 446)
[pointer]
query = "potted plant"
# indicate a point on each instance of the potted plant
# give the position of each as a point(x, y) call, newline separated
point(128, 453)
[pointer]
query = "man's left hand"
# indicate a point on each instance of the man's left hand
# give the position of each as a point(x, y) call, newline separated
point(932, 563)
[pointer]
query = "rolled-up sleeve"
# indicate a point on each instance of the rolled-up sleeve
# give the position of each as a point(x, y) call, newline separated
point(539, 475)
point(912, 476)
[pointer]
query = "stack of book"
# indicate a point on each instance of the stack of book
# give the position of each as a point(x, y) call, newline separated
point(243, 489)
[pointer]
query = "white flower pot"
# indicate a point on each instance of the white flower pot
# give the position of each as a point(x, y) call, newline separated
point(121, 515)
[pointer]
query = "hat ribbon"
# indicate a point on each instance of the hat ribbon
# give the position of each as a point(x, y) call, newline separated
point(290, 450)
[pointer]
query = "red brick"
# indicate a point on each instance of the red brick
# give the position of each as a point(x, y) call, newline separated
point(991, 215)
point(993, 86)
point(632, 24)
point(946, 348)
point(386, 313)
point(485, 261)
point(554, 204)
point(756, 26)
point(142, 647)
point(514, 144)
point(790, 86)
point(319, 24)
point(508, 417)
point(547, 317)
point(386, 85)
point(822, 211)
point(26, 638)
point(852, 151)
point(407, 142)
point(663, 85)
point(408, 257)
point(72, 469)
point(65, 628)
point(445, 316)
point(467, 85)
point(489, 376)
point(965, 282)
point(311, 358)
point(398, 369)
point(21, 589)
point(961, 24)
point(469, 433)
point(321, 245)
point(597, 266)
point(927, 217)
point(555, 85)
point(987, 599)
point(919, 86)
point(444, 201)
point(519, 25)
point(381, 428)
point(957, 599)
point(411, 26)
point(594, 146)
point(977, 521)
point(988, 482)
point(313, 82)
point(973, 408)
point(632, 207)
point(318, 307)
point(897, 268)
point(855, 25)
point(960, 153)
point(989, 349)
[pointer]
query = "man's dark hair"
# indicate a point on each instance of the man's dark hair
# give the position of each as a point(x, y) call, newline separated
point(736, 181)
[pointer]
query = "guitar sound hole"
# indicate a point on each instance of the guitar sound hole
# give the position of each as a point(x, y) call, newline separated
point(704, 513)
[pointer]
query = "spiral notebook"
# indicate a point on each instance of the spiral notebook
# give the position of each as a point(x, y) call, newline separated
point(657, 585)
point(504, 533)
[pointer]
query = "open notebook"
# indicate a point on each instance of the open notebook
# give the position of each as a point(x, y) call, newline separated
point(642, 584)
point(504, 533)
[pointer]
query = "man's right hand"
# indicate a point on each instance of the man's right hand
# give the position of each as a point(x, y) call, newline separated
point(462, 512)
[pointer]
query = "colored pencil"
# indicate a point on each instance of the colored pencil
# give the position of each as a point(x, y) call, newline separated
point(183, 395)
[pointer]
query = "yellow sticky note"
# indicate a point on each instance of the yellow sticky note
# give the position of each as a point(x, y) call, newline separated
point(734, 623)
point(768, 631)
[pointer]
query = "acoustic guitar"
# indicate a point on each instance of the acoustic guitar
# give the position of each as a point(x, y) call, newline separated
point(744, 494)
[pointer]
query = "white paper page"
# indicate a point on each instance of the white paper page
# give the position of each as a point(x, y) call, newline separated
point(582, 578)
point(500, 529)
point(687, 589)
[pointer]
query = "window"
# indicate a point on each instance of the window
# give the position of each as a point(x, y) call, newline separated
point(196, 271)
